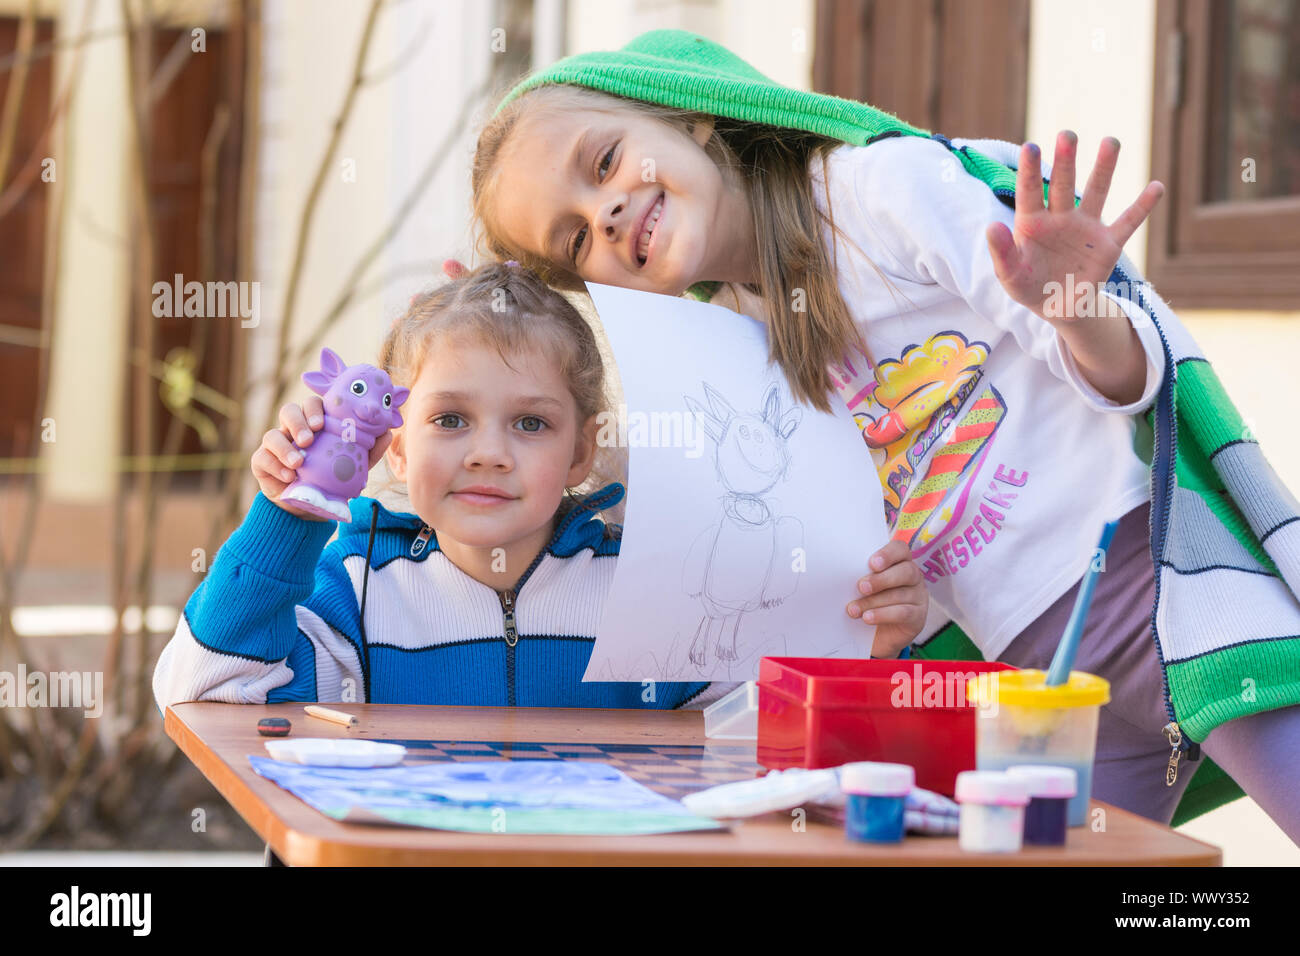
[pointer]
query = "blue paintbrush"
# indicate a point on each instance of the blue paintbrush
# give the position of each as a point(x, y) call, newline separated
point(1063, 660)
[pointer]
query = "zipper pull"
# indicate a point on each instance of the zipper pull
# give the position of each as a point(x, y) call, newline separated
point(420, 541)
point(1175, 738)
point(508, 606)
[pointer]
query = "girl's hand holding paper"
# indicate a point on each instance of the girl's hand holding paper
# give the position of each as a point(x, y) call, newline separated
point(737, 533)
point(894, 599)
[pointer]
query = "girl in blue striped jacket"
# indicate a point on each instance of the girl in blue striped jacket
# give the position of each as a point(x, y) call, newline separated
point(500, 605)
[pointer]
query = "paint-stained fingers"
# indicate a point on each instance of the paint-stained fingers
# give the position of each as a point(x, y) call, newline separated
point(1003, 251)
point(1094, 194)
point(1122, 229)
point(1029, 182)
point(1060, 193)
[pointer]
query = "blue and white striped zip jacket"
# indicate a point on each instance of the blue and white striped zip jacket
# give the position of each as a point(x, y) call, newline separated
point(279, 618)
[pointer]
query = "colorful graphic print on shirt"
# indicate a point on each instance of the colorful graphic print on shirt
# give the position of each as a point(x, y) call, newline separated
point(904, 406)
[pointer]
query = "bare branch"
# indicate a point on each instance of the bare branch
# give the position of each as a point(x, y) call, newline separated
point(41, 50)
point(406, 56)
point(170, 67)
point(409, 202)
point(17, 87)
point(318, 183)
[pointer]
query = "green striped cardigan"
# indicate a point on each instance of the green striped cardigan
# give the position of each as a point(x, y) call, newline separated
point(1225, 532)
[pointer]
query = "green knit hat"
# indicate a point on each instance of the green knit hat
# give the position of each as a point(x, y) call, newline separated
point(684, 70)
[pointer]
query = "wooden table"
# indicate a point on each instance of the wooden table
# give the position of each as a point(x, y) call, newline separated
point(219, 737)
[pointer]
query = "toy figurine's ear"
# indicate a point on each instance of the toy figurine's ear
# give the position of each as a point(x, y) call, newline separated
point(398, 421)
point(318, 382)
point(400, 395)
point(331, 364)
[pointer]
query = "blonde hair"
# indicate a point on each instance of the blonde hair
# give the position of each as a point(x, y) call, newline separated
point(809, 324)
point(508, 308)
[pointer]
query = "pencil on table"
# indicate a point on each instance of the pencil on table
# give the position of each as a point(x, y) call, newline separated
point(334, 716)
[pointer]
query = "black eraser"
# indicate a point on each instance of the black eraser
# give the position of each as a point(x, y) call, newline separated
point(273, 727)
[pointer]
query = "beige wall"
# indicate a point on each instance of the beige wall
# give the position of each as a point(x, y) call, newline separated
point(1090, 70)
point(775, 36)
point(92, 169)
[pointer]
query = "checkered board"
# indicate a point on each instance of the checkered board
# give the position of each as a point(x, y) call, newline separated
point(673, 771)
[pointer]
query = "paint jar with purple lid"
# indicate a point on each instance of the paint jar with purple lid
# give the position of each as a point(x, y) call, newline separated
point(992, 818)
point(1050, 791)
point(874, 798)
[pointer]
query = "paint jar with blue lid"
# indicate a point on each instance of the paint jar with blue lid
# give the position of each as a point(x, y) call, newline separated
point(874, 798)
point(992, 811)
point(1050, 791)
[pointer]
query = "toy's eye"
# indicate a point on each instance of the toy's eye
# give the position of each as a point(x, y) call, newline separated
point(359, 387)
point(744, 431)
point(388, 401)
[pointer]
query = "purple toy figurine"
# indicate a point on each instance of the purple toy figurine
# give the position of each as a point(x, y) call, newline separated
point(361, 404)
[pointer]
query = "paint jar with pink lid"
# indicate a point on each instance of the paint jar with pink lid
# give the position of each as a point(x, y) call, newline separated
point(992, 818)
point(1050, 791)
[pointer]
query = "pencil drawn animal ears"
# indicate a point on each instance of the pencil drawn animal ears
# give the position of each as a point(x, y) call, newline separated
point(784, 425)
point(331, 367)
point(712, 427)
point(714, 421)
point(722, 411)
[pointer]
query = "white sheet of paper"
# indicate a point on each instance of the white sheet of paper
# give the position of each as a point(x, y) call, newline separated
point(749, 518)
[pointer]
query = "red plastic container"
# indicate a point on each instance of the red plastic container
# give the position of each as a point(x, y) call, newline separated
point(825, 711)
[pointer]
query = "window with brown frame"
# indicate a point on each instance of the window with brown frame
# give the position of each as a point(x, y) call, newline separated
point(196, 220)
point(1226, 144)
point(23, 209)
point(195, 207)
point(949, 66)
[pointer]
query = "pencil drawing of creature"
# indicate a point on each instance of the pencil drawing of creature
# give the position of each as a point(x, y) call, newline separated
point(743, 562)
